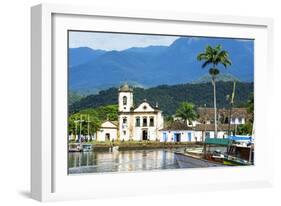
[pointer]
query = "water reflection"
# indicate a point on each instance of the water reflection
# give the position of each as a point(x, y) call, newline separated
point(122, 161)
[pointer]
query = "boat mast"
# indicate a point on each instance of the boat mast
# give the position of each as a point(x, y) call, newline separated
point(231, 102)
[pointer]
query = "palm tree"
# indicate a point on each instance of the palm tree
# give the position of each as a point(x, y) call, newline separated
point(214, 56)
point(186, 111)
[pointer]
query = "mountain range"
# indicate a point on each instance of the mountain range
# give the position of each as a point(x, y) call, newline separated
point(93, 70)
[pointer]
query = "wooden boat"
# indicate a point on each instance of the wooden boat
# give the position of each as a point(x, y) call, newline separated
point(188, 161)
point(235, 161)
point(236, 154)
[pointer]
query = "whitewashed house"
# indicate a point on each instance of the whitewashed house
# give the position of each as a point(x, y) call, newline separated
point(177, 131)
point(203, 131)
point(238, 115)
point(142, 122)
point(107, 131)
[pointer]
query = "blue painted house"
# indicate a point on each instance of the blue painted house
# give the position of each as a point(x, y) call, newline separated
point(177, 131)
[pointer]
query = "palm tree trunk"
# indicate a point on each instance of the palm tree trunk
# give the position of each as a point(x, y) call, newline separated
point(215, 106)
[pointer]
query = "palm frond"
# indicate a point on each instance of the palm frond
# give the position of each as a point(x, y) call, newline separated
point(206, 63)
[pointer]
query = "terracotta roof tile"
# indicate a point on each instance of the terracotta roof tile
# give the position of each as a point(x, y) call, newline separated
point(176, 126)
point(211, 127)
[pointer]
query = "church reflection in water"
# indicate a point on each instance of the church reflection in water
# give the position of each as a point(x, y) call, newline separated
point(122, 161)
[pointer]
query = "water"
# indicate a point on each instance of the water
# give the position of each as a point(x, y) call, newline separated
point(122, 161)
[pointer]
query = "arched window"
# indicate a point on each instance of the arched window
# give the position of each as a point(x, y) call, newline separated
point(125, 120)
point(137, 121)
point(151, 121)
point(144, 122)
point(124, 100)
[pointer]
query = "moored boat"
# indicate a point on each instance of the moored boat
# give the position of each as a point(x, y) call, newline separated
point(236, 152)
point(235, 161)
point(87, 147)
point(74, 147)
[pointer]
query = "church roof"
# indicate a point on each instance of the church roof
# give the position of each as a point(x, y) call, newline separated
point(125, 88)
point(109, 124)
point(155, 107)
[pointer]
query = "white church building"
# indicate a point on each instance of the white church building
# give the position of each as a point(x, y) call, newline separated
point(142, 122)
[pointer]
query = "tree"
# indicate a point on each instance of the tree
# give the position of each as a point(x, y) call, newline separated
point(247, 129)
point(187, 112)
point(108, 112)
point(250, 107)
point(214, 56)
point(84, 122)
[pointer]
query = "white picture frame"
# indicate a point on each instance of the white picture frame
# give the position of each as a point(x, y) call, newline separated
point(49, 179)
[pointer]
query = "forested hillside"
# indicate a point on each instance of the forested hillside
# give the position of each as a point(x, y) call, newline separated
point(170, 97)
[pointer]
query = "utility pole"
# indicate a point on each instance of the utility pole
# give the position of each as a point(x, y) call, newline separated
point(80, 132)
point(88, 125)
point(76, 121)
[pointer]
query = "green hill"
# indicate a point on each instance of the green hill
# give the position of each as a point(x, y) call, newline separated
point(222, 77)
point(170, 97)
point(73, 97)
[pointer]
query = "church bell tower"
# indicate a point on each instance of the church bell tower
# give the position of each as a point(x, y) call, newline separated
point(125, 98)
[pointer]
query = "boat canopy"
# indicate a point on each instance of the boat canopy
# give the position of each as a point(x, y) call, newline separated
point(217, 141)
point(240, 138)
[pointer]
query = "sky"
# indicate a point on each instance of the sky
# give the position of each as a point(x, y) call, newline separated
point(113, 41)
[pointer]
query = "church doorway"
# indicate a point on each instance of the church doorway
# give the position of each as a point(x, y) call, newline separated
point(107, 136)
point(144, 134)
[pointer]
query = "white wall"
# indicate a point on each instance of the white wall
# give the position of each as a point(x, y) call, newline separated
point(183, 136)
point(15, 101)
point(121, 106)
point(101, 134)
point(237, 121)
point(200, 136)
point(153, 134)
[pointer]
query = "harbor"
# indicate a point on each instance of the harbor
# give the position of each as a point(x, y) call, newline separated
point(85, 158)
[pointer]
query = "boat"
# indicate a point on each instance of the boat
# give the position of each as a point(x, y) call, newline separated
point(74, 147)
point(235, 152)
point(235, 161)
point(186, 160)
point(78, 147)
point(195, 152)
point(87, 147)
